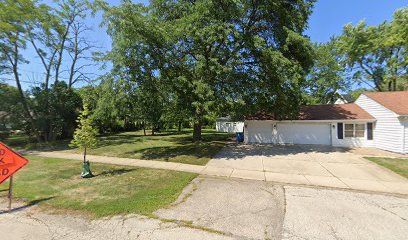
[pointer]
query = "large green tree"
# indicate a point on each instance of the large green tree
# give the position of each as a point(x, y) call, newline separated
point(377, 55)
point(217, 53)
point(112, 104)
point(326, 79)
point(57, 121)
point(11, 112)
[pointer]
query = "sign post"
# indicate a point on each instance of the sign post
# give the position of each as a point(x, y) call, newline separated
point(10, 162)
point(10, 192)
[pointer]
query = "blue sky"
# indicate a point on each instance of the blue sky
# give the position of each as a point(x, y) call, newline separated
point(328, 19)
point(329, 16)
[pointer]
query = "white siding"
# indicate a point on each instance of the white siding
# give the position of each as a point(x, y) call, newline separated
point(340, 101)
point(229, 126)
point(351, 142)
point(388, 131)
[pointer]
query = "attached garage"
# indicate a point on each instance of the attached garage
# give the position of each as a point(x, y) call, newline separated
point(315, 125)
point(304, 133)
point(261, 132)
point(289, 132)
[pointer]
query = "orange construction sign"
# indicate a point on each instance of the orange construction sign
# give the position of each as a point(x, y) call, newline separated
point(10, 162)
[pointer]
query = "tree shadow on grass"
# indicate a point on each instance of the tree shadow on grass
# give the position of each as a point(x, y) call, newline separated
point(118, 141)
point(193, 150)
point(205, 138)
point(29, 204)
point(115, 172)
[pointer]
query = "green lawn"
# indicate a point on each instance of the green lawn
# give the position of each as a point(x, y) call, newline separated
point(398, 165)
point(165, 146)
point(23, 142)
point(115, 189)
point(170, 146)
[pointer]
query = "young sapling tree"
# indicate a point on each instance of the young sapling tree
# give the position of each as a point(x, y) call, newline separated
point(85, 138)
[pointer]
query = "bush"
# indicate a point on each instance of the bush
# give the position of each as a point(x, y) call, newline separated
point(4, 135)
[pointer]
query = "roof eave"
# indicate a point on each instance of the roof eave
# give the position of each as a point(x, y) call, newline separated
point(326, 120)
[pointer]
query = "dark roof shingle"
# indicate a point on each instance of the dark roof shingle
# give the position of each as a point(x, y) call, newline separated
point(349, 111)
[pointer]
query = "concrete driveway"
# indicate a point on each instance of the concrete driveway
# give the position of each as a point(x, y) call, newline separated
point(307, 165)
point(245, 209)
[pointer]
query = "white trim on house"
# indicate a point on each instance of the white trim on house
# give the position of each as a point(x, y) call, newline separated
point(318, 121)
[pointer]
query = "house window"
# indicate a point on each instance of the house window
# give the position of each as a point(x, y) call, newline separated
point(370, 131)
point(340, 130)
point(354, 130)
point(359, 130)
point(228, 124)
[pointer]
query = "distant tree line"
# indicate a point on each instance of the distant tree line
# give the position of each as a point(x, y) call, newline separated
point(369, 57)
point(184, 63)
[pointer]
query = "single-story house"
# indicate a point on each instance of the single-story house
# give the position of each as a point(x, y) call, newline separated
point(343, 98)
point(224, 124)
point(377, 119)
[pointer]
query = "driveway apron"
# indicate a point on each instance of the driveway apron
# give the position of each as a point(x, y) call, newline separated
point(308, 165)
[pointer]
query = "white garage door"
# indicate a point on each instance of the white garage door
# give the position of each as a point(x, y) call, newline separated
point(304, 133)
point(260, 132)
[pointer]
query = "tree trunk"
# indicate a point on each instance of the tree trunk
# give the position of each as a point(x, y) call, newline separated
point(144, 128)
point(61, 51)
point(24, 101)
point(71, 80)
point(197, 131)
point(179, 126)
point(85, 155)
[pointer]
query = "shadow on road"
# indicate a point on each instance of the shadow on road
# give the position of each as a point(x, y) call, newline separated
point(29, 204)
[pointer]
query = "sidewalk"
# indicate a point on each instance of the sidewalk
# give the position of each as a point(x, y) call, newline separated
point(230, 172)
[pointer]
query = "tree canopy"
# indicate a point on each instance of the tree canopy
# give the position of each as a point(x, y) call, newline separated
point(214, 54)
point(56, 36)
point(377, 55)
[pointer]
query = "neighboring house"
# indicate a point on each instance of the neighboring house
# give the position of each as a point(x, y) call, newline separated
point(375, 120)
point(224, 124)
point(342, 99)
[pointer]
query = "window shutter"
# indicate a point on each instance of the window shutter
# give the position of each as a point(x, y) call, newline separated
point(370, 131)
point(340, 130)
